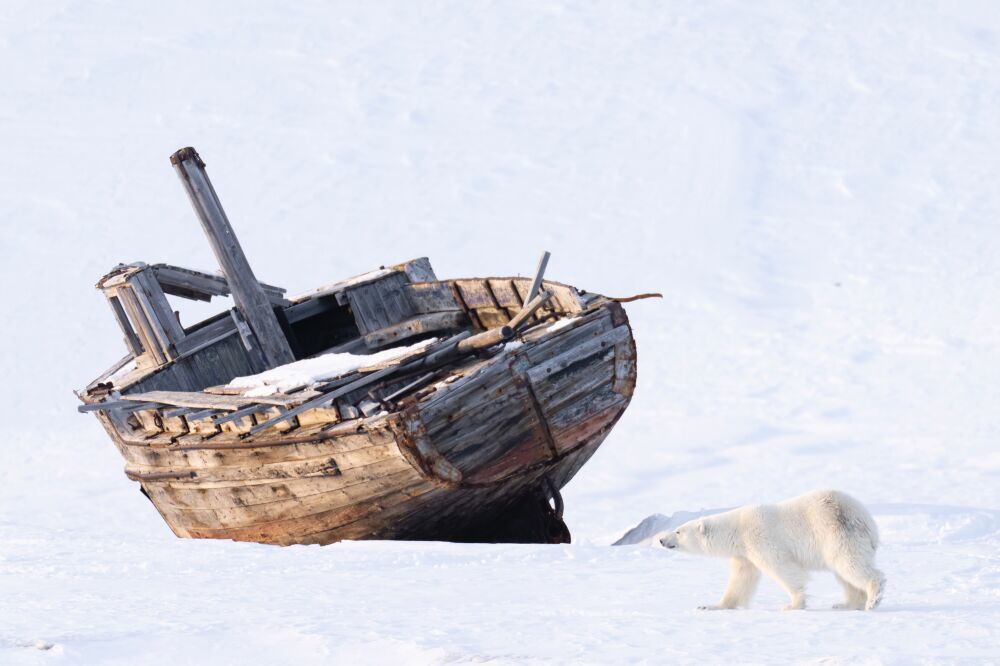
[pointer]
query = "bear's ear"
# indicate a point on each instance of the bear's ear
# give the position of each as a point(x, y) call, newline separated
point(701, 527)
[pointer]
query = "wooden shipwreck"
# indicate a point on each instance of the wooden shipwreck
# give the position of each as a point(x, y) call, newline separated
point(467, 437)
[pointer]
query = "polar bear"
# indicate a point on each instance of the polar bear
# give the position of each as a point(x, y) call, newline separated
point(823, 529)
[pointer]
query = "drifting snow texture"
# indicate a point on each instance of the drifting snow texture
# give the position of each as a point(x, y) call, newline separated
point(311, 371)
point(811, 185)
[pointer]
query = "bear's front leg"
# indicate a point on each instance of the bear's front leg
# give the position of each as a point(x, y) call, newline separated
point(792, 578)
point(743, 579)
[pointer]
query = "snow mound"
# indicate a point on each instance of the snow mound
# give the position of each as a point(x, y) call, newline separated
point(651, 528)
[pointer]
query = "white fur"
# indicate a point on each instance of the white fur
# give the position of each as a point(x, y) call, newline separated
point(821, 530)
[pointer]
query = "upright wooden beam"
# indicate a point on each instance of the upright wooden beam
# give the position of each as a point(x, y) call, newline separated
point(250, 298)
point(536, 284)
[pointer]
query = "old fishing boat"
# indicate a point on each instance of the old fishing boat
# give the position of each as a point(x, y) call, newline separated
point(392, 405)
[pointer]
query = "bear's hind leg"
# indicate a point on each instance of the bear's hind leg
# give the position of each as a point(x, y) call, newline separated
point(854, 598)
point(875, 586)
point(866, 579)
point(743, 579)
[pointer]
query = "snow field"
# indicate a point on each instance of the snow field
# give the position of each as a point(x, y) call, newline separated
point(811, 186)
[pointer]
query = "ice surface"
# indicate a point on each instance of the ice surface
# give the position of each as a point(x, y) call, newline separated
point(811, 185)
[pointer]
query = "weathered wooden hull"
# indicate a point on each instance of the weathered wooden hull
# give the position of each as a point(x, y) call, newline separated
point(500, 429)
point(388, 405)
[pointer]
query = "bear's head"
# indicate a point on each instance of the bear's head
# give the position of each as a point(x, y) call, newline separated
point(691, 537)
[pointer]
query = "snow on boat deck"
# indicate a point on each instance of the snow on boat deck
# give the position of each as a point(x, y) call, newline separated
point(312, 371)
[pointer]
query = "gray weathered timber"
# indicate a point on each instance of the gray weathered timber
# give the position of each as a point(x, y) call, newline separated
point(247, 292)
point(486, 339)
point(521, 318)
point(154, 302)
point(200, 286)
point(215, 401)
point(418, 270)
point(113, 404)
point(432, 322)
point(409, 388)
point(132, 340)
point(536, 284)
point(409, 363)
point(467, 439)
point(325, 399)
point(433, 297)
point(381, 303)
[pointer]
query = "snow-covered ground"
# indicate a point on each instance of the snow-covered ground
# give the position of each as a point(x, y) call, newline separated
point(813, 186)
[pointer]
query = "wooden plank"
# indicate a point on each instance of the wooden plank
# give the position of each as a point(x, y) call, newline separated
point(201, 286)
point(337, 288)
point(152, 346)
point(292, 530)
point(193, 451)
point(596, 425)
point(381, 303)
point(165, 341)
point(581, 410)
point(475, 294)
point(368, 314)
point(410, 387)
point(247, 515)
point(395, 298)
point(505, 294)
point(625, 367)
point(132, 340)
point(318, 415)
point(575, 354)
point(419, 325)
point(418, 270)
point(521, 318)
point(238, 414)
point(158, 306)
point(325, 466)
point(315, 476)
point(177, 411)
point(408, 363)
point(485, 340)
point(214, 401)
point(325, 399)
point(554, 343)
point(536, 284)
point(432, 297)
point(247, 293)
point(200, 422)
point(206, 335)
point(579, 377)
point(368, 523)
point(124, 406)
point(223, 389)
point(239, 426)
point(185, 492)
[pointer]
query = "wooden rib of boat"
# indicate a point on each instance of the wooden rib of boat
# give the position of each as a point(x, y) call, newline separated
point(468, 436)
